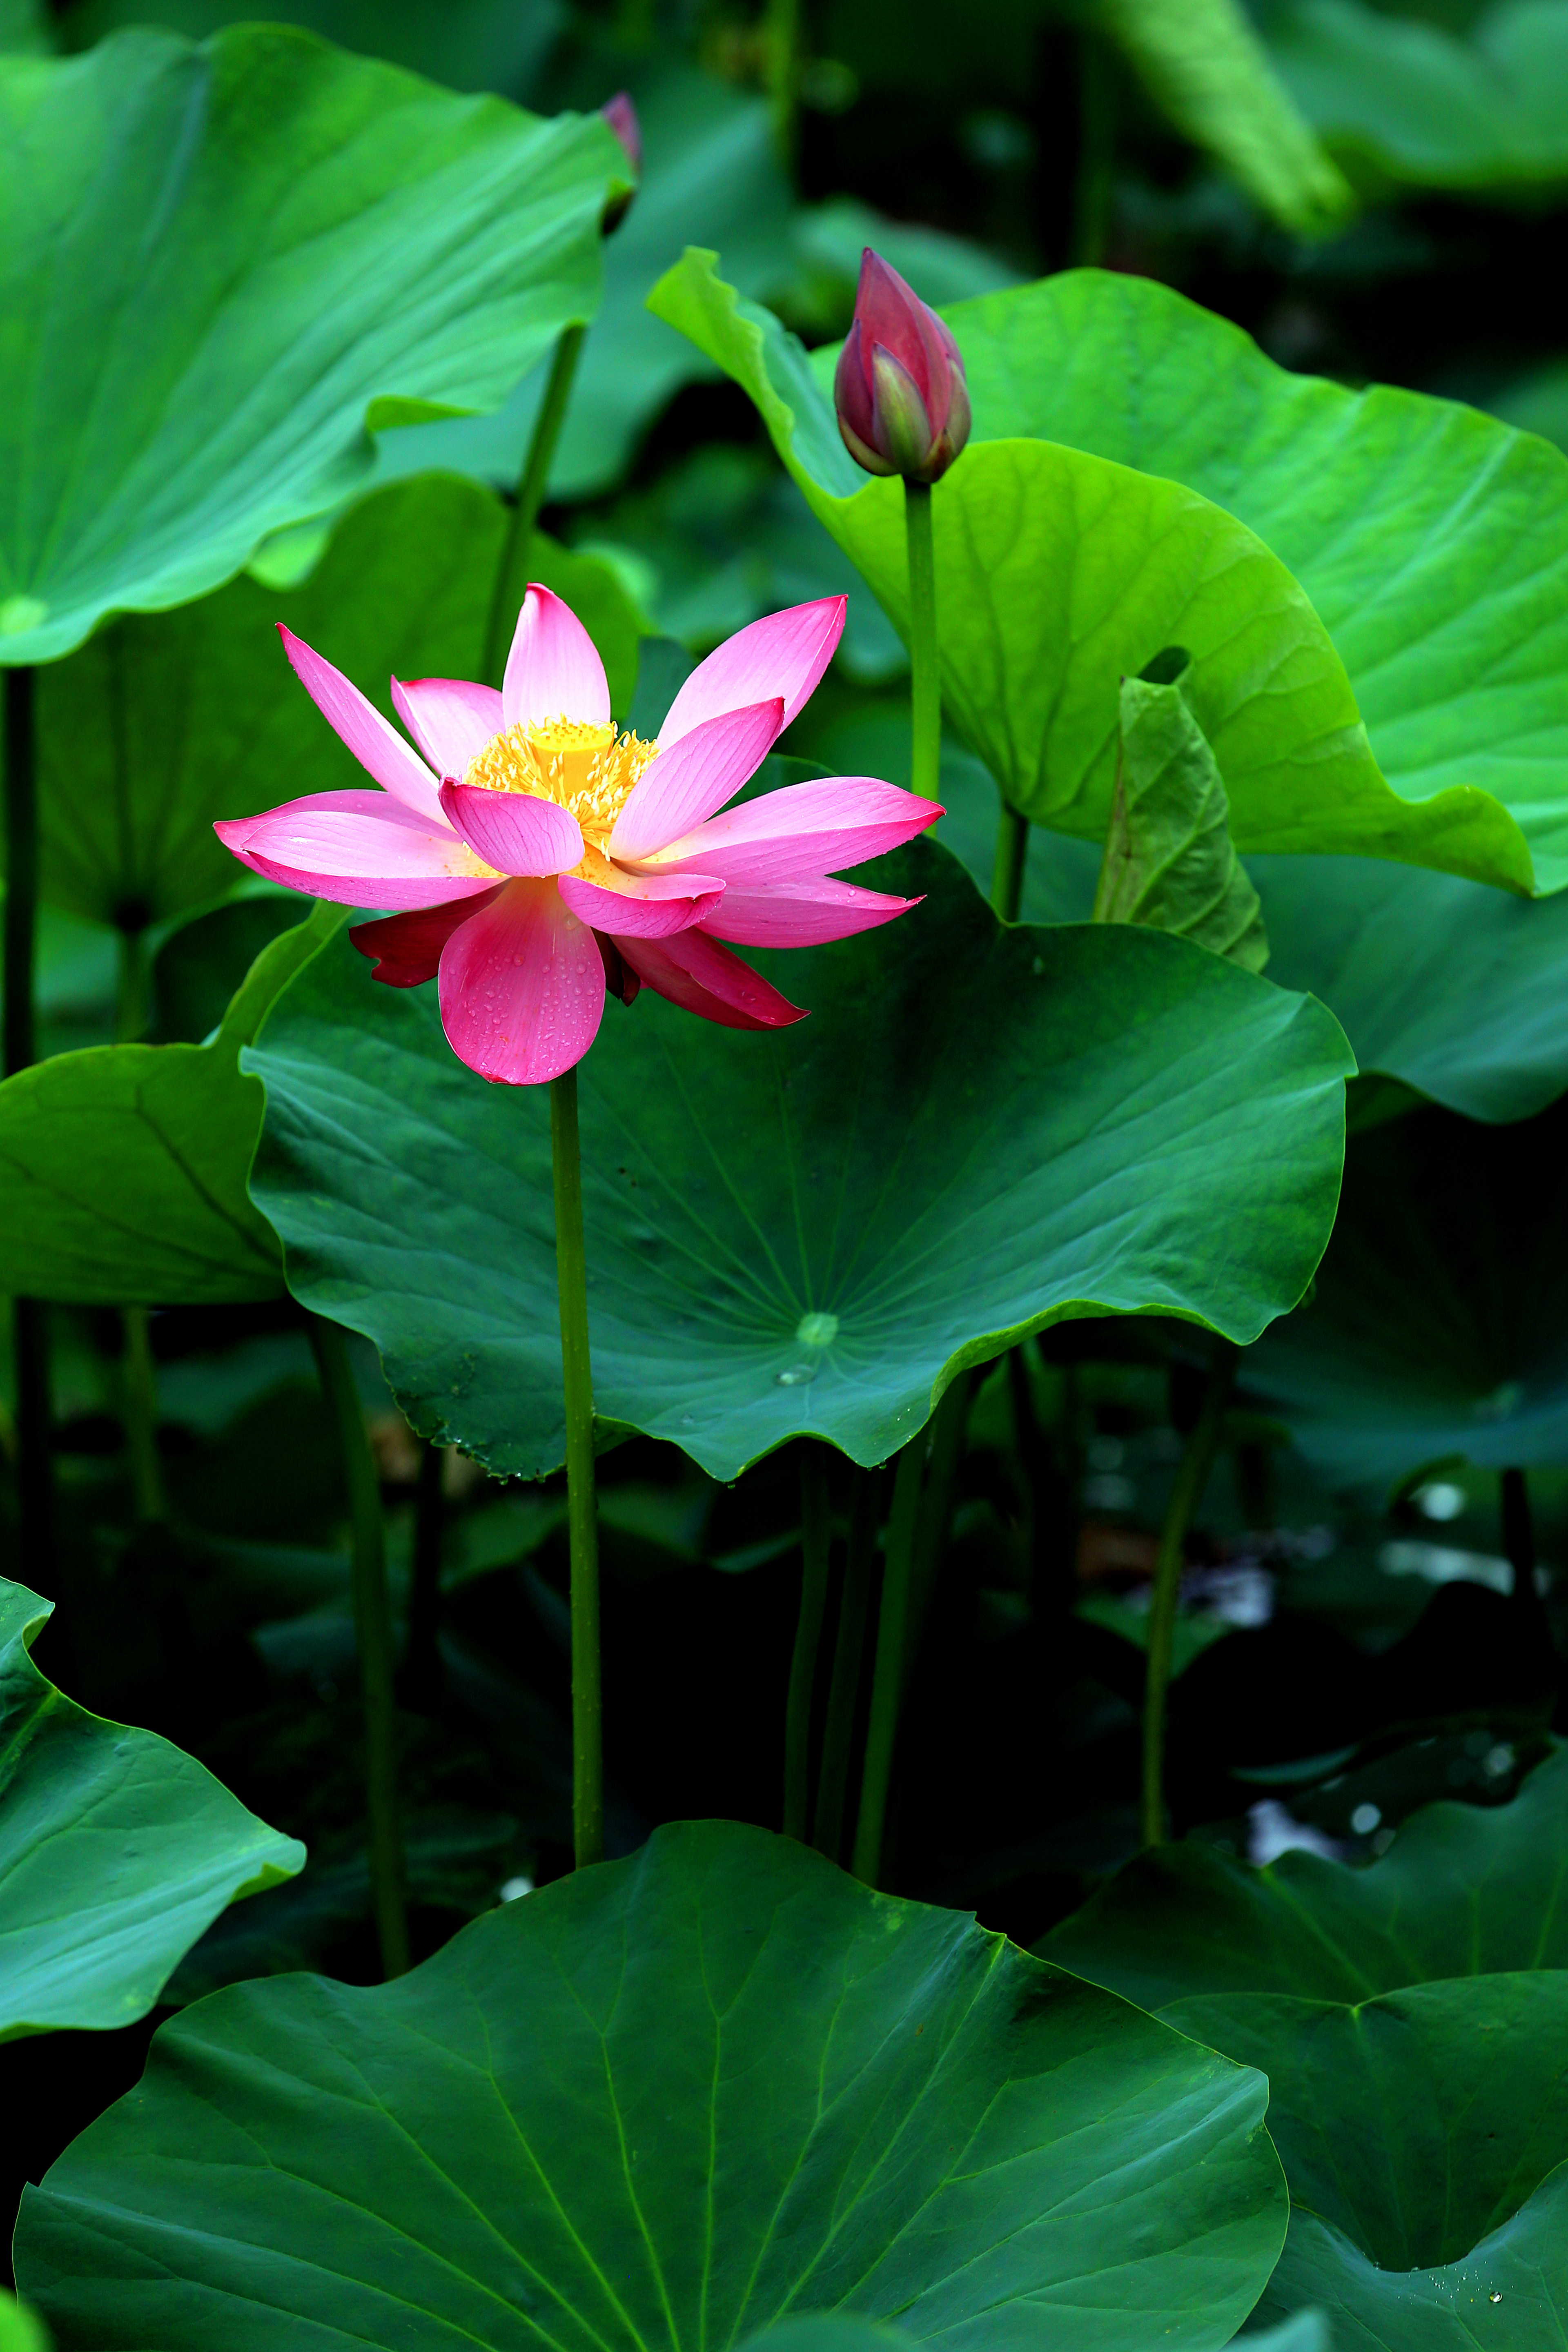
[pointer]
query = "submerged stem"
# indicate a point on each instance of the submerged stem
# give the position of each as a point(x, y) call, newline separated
point(373, 1636)
point(582, 1520)
point(29, 1324)
point(925, 683)
point(1192, 1478)
point(815, 1535)
point(532, 483)
point(887, 1685)
point(828, 1830)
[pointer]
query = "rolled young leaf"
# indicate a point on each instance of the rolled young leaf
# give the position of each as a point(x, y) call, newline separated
point(116, 1851)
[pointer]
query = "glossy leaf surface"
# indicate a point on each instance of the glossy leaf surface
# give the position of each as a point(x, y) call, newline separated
point(222, 264)
point(116, 1851)
point(122, 1168)
point(1060, 570)
point(665, 2101)
point(812, 1230)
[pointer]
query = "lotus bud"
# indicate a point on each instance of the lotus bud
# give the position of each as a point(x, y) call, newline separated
point(622, 117)
point(902, 403)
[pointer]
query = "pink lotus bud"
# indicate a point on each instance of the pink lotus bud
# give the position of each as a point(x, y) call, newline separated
point(622, 117)
point(902, 403)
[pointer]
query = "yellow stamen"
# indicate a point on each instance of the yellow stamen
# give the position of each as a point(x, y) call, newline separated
point(583, 765)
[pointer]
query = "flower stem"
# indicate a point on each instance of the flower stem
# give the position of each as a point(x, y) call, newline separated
point(1192, 1478)
point(948, 1426)
point(925, 686)
point(582, 1520)
point(532, 483)
point(828, 1830)
point(1007, 872)
point(422, 1650)
point(29, 1326)
point(815, 1536)
point(373, 1636)
point(887, 1685)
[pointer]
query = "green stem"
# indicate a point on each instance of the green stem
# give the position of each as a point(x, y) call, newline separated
point(815, 1536)
point(1519, 1549)
point(422, 1653)
point(29, 1325)
point(532, 483)
point(373, 1635)
point(1192, 1478)
point(925, 684)
point(1094, 183)
point(131, 1009)
point(782, 36)
point(138, 1377)
point(887, 1681)
point(1007, 868)
point(582, 1520)
point(828, 1830)
point(948, 1426)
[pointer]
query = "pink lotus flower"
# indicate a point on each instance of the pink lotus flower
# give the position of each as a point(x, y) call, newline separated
point(899, 388)
point(540, 857)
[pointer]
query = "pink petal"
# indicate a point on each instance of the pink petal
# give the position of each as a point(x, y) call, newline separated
point(406, 948)
point(801, 914)
point(362, 849)
point(704, 978)
point(782, 654)
point(522, 987)
point(802, 833)
point(639, 905)
point(373, 741)
point(449, 718)
point(620, 980)
point(554, 670)
point(516, 833)
point(695, 776)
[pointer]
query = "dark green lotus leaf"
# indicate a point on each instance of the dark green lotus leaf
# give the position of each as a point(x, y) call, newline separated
point(122, 1168)
point(669, 2101)
point(116, 1851)
point(1432, 541)
point(1169, 858)
point(163, 722)
point(1484, 110)
point(1424, 2137)
point(1440, 1324)
point(978, 1131)
point(1061, 570)
point(1464, 1889)
point(222, 264)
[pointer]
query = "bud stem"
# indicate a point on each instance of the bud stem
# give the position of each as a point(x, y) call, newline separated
point(925, 691)
point(531, 486)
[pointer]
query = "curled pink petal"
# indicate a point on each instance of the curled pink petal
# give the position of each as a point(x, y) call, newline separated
point(553, 669)
point(517, 832)
point(522, 987)
point(801, 914)
point(782, 654)
point(644, 906)
point(620, 980)
point(373, 741)
point(701, 976)
point(406, 948)
point(696, 775)
point(449, 718)
point(360, 849)
point(802, 832)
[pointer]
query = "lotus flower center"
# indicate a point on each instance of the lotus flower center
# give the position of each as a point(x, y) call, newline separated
point(581, 763)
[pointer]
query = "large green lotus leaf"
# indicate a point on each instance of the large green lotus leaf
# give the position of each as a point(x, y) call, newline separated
point(163, 722)
point(1060, 570)
point(1207, 69)
point(712, 170)
point(665, 2101)
point(1432, 541)
point(1463, 1890)
point(1440, 1325)
point(116, 1851)
point(1402, 101)
point(122, 1168)
point(979, 1131)
point(467, 44)
point(1424, 2136)
point(1452, 988)
point(20, 2330)
point(222, 264)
